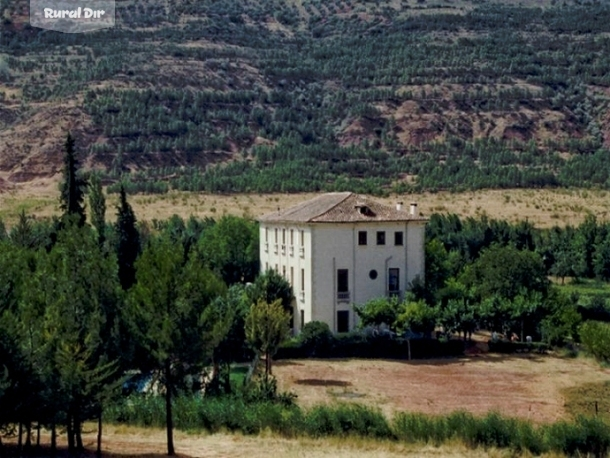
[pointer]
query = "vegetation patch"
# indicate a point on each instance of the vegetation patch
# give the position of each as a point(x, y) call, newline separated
point(589, 399)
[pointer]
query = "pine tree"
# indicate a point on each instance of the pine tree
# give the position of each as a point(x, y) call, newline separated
point(72, 188)
point(97, 202)
point(128, 245)
point(178, 323)
point(22, 234)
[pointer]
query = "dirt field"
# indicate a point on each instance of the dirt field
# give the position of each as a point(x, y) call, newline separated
point(526, 386)
point(544, 208)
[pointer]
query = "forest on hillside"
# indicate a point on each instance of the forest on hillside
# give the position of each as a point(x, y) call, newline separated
point(251, 96)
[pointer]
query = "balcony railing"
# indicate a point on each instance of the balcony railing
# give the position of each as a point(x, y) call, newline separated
point(275, 248)
point(343, 296)
point(266, 247)
point(302, 296)
point(291, 251)
point(283, 249)
point(302, 251)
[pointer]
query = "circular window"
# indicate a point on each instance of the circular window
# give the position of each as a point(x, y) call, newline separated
point(373, 274)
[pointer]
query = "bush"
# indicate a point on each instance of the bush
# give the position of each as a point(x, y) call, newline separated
point(358, 345)
point(316, 338)
point(595, 338)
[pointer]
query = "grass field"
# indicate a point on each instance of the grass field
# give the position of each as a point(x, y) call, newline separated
point(526, 386)
point(544, 208)
point(132, 442)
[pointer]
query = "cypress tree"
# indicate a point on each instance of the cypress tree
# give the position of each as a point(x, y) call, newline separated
point(72, 187)
point(97, 202)
point(128, 245)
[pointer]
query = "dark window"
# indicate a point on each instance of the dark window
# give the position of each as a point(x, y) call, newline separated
point(302, 319)
point(342, 282)
point(381, 238)
point(394, 280)
point(373, 274)
point(343, 321)
point(362, 238)
point(398, 238)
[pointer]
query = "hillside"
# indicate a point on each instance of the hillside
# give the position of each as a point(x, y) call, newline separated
point(304, 95)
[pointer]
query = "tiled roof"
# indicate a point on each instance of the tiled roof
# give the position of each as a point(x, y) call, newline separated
point(339, 207)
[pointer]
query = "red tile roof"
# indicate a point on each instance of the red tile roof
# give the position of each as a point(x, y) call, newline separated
point(339, 207)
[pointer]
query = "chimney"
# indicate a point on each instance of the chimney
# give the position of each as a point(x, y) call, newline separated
point(413, 211)
point(399, 206)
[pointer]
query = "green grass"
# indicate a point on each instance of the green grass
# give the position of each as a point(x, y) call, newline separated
point(586, 288)
point(581, 399)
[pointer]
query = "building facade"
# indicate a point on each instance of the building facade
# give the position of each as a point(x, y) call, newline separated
point(341, 249)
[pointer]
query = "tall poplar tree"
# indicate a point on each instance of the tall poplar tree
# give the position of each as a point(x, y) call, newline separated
point(128, 244)
point(72, 187)
point(97, 203)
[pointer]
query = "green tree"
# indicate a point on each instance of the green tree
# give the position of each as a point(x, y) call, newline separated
point(418, 317)
point(230, 247)
point(175, 319)
point(128, 241)
point(71, 290)
point(72, 187)
point(97, 203)
point(505, 272)
point(379, 311)
point(266, 328)
point(22, 233)
point(269, 287)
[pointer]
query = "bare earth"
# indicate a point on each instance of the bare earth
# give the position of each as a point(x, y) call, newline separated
point(544, 208)
point(526, 386)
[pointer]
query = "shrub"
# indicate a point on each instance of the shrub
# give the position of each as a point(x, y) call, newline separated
point(595, 338)
point(316, 338)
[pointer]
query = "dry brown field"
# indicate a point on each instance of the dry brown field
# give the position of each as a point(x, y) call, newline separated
point(132, 442)
point(544, 208)
point(528, 386)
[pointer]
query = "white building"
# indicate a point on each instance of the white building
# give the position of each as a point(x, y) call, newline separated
point(340, 249)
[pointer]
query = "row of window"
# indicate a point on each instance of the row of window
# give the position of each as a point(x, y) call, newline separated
point(398, 238)
point(393, 280)
point(291, 279)
point(290, 233)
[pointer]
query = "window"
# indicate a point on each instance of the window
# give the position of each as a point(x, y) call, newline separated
point(284, 271)
point(380, 238)
point(398, 238)
point(302, 319)
point(373, 274)
point(292, 277)
point(302, 279)
point(283, 236)
point(342, 281)
point(266, 266)
point(361, 237)
point(302, 238)
point(394, 280)
point(342, 321)
point(266, 234)
point(292, 236)
point(276, 235)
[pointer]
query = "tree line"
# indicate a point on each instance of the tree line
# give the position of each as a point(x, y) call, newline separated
point(84, 303)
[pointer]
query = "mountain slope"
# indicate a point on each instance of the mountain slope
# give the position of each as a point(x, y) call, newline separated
point(308, 95)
